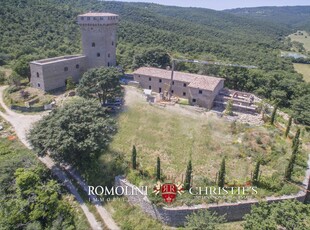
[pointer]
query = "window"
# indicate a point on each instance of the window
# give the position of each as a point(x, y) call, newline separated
point(108, 63)
point(101, 18)
point(184, 94)
point(82, 18)
point(200, 91)
point(160, 81)
point(93, 44)
point(77, 66)
point(66, 69)
point(172, 82)
point(194, 100)
point(39, 85)
point(98, 54)
point(150, 79)
point(150, 87)
point(172, 91)
point(88, 18)
point(159, 90)
point(109, 55)
point(139, 76)
point(38, 75)
point(184, 84)
point(94, 18)
point(112, 43)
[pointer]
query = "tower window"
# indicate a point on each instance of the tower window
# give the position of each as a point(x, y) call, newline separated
point(184, 94)
point(184, 84)
point(109, 55)
point(160, 81)
point(77, 66)
point(200, 91)
point(66, 68)
point(150, 87)
point(93, 44)
point(159, 90)
point(38, 75)
point(112, 43)
point(172, 82)
point(98, 54)
point(150, 79)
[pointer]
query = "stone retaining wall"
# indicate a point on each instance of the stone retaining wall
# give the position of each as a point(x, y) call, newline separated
point(27, 109)
point(176, 216)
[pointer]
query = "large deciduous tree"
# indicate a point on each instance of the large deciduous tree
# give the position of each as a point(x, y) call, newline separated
point(102, 83)
point(76, 133)
point(282, 215)
point(301, 107)
point(155, 57)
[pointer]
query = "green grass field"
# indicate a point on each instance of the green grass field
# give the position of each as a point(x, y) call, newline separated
point(303, 69)
point(177, 136)
point(305, 39)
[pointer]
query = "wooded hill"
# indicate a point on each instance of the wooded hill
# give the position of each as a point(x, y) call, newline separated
point(295, 17)
point(48, 28)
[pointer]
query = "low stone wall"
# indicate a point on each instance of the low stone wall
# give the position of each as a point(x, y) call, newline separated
point(27, 109)
point(176, 216)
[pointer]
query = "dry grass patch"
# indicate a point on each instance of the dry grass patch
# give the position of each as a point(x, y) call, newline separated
point(303, 69)
point(205, 139)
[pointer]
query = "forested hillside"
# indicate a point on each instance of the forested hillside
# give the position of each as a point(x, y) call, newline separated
point(32, 29)
point(48, 28)
point(295, 17)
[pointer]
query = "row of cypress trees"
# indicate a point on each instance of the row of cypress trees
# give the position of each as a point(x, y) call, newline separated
point(222, 171)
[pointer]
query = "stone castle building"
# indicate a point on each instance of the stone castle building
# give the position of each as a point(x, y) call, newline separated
point(99, 49)
point(198, 89)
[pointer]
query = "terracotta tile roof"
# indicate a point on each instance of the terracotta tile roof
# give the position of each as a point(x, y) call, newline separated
point(194, 80)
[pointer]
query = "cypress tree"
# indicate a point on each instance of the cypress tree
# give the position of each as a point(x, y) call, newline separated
point(296, 139)
point(229, 108)
point(256, 173)
point(274, 113)
point(288, 127)
point(158, 169)
point(290, 166)
point(188, 176)
point(134, 157)
point(222, 173)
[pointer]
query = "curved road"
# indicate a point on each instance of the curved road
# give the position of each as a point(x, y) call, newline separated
point(22, 124)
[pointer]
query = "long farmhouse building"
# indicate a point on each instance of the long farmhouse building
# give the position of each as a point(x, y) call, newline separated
point(198, 89)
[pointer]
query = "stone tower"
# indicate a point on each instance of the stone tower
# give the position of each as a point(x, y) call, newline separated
point(99, 38)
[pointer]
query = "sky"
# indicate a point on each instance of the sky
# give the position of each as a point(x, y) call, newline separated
point(226, 4)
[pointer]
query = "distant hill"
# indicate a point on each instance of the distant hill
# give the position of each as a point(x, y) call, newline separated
point(48, 28)
point(295, 17)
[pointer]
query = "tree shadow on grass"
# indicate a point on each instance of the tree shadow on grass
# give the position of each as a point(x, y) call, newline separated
point(102, 171)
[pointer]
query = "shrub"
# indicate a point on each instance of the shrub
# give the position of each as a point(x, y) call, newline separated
point(204, 219)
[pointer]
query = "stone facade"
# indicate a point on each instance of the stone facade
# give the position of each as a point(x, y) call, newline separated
point(198, 89)
point(99, 49)
point(176, 216)
point(52, 73)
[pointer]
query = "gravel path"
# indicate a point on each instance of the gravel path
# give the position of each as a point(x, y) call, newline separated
point(22, 124)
